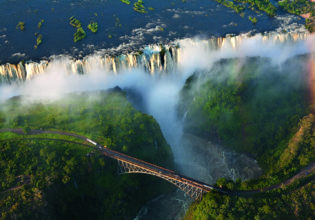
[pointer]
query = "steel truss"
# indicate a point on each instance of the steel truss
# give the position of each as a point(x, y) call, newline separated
point(193, 191)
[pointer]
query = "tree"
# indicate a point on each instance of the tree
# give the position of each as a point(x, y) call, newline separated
point(108, 130)
point(102, 162)
point(26, 130)
point(267, 209)
point(50, 158)
point(44, 152)
point(17, 121)
point(125, 149)
point(221, 182)
point(4, 215)
point(65, 179)
point(51, 121)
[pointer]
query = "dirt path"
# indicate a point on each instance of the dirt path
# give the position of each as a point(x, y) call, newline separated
point(34, 132)
point(86, 144)
point(27, 180)
point(302, 173)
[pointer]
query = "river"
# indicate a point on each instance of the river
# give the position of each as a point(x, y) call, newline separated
point(121, 29)
point(157, 84)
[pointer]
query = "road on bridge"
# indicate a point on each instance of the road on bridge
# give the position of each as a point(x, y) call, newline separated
point(160, 171)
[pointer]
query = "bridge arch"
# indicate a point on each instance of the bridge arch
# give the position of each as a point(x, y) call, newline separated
point(191, 190)
point(127, 164)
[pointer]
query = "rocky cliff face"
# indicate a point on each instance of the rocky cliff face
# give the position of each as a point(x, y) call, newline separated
point(152, 59)
point(209, 162)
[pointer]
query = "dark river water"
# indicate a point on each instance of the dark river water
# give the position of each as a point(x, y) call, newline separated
point(121, 29)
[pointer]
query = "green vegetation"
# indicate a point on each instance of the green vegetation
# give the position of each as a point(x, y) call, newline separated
point(289, 157)
point(117, 22)
point(66, 180)
point(264, 5)
point(254, 107)
point(26, 129)
point(241, 107)
point(297, 7)
point(79, 35)
point(138, 7)
point(93, 26)
point(125, 1)
point(298, 205)
point(238, 8)
point(40, 24)
point(21, 26)
point(75, 22)
point(39, 39)
point(254, 19)
point(309, 24)
point(277, 203)
point(300, 7)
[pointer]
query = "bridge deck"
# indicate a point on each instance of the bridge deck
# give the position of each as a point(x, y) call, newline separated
point(164, 173)
point(160, 170)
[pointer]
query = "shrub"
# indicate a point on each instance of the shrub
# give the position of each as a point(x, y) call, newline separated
point(125, 1)
point(39, 39)
point(40, 24)
point(75, 22)
point(93, 26)
point(79, 35)
point(21, 26)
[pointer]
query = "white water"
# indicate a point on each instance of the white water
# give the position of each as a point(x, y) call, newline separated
point(150, 60)
point(158, 85)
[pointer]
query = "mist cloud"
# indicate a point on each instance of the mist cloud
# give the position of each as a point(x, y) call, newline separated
point(159, 91)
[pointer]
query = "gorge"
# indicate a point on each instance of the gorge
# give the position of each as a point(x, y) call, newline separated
point(157, 75)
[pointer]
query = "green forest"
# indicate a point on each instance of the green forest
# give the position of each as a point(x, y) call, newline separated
point(297, 7)
point(54, 179)
point(254, 106)
point(249, 105)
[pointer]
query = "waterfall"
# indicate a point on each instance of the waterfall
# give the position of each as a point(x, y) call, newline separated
point(12, 72)
point(152, 59)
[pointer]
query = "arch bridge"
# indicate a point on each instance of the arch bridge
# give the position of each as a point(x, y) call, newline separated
point(128, 164)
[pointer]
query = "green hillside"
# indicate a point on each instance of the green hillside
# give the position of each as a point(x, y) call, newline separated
point(58, 179)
